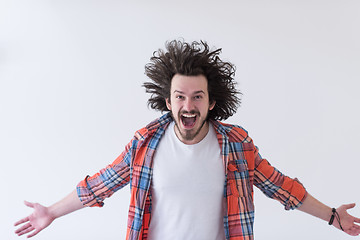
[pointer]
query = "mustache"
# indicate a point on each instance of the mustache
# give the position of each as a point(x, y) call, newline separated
point(189, 112)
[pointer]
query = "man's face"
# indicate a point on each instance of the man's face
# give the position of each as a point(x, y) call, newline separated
point(189, 105)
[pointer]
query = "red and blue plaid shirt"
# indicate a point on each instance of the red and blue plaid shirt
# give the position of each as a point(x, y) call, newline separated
point(244, 168)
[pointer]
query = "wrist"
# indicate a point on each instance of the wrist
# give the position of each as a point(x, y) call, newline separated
point(335, 217)
point(53, 212)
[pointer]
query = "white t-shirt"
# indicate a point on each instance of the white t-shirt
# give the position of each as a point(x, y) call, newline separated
point(187, 189)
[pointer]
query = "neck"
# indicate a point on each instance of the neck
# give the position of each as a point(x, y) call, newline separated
point(198, 136)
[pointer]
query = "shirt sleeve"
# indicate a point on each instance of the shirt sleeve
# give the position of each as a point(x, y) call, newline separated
point(93, 190)
point(289, 192)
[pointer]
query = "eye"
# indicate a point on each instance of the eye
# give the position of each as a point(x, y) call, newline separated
point(198, 97)
point(179, 97)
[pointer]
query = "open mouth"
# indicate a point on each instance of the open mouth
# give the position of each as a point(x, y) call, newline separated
point(188, 120)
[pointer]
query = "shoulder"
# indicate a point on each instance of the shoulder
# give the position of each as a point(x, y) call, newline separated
point(235, 133)
point(153, 127)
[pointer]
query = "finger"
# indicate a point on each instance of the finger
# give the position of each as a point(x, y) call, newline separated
point(357, 220)
point(21, 221)
point(23, 228)
point(33, 234)
point(29, 204)
point(26, 231)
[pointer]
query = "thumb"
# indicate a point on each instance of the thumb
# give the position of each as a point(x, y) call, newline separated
point(29, 204)
point(348, 206)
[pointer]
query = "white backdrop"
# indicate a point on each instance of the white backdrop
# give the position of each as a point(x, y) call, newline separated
point(71, 98)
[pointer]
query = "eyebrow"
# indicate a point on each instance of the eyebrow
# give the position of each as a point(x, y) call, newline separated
point(196, 92)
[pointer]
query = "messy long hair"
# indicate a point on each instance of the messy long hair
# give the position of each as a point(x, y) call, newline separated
point(192, 59)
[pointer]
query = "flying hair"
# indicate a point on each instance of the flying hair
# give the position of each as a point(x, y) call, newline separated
point(192, 59)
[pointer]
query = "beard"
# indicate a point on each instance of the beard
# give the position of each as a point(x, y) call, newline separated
point(189, 134)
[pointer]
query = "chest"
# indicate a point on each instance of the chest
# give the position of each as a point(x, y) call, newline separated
point(189, 168)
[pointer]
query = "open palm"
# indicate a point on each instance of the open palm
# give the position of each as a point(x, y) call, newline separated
point(348, 222)
point(37, 221)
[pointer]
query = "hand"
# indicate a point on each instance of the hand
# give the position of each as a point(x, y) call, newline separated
point(348, 222)
point(37, 221)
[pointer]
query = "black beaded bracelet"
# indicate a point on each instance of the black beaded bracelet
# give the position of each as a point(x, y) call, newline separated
point(335, 214)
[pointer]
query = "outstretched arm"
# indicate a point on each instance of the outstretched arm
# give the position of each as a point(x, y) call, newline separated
point(316, 208)
point(44, 216)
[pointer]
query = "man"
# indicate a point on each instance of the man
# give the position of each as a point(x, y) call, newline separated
point(191, 176)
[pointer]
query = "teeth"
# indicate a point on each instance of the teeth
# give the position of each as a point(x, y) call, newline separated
point(189, 115)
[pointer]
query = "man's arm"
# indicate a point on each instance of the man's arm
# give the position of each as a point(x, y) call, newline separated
point(92, 191)
point(44, 216)
point(314, 207)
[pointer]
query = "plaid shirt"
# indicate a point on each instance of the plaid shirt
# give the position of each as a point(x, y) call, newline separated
point(244, 168)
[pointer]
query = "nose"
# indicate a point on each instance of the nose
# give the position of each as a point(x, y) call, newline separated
point(188, 105)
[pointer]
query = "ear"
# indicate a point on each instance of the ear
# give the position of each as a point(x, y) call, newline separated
point(168, 105)
point(212, 105)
